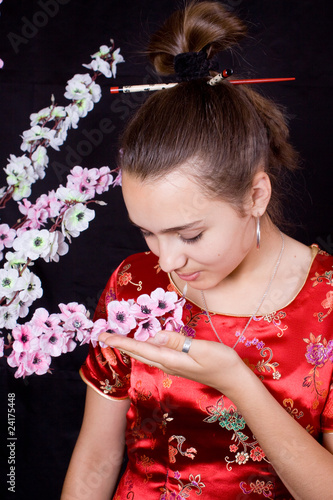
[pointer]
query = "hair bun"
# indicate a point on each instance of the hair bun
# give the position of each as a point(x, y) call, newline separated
point(199, 25)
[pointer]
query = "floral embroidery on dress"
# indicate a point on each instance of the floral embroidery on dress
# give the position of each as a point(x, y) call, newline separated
point(230, 419)
point(167, 381)
point(190, 452)
point(327, 304)
point(320, 278)
point(191, 320)
point(289, 406)
point(124, 278)
point(146, 463)
point(164, 421)
point(263, 365)
point(259, 487)
point(110, 359)
point(141, 393)
point(139, 429)
point(275, 318)
point(318, 353)
point(184, 489)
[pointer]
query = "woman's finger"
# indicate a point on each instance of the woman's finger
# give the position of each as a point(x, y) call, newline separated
point(162, 351)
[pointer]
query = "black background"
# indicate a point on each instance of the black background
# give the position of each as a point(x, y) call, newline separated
point(43, 44)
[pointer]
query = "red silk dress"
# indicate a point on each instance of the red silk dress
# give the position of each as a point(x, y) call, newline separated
point(186, 440)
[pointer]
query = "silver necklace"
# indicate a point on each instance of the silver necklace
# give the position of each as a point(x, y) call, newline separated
point(276, 267)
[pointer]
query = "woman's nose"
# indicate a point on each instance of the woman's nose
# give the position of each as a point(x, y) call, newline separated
point(171, 257)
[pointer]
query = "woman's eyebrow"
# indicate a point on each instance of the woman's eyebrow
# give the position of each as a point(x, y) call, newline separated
point(190, 225)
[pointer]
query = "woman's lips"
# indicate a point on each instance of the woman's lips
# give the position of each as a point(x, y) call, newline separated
point(188, 277)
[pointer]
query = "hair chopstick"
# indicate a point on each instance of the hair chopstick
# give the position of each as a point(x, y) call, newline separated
point(213, 81)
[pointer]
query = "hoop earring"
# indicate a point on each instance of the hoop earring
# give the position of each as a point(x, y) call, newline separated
point(258, 232)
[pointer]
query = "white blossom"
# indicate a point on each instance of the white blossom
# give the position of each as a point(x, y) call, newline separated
point(70, 195)
point(72, 116)
point(31, 287)
point(34, 243)
point(99, 64)
point(8, 316)
point(78, 87)
point(15, 260)
point(58, 247)
point(22, 191)
point(33, 135)
point(76, 219)
point(10, 282)
point(40, 161)
point(84, 106)
point(18, 169)
point(117, 58)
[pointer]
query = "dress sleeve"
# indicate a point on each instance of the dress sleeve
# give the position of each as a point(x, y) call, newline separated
point(107, 370)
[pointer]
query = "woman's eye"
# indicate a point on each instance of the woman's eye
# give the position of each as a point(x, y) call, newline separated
point(145, 234)
point(191, 240)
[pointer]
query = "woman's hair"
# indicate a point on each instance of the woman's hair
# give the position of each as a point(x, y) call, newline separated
point(221, 135)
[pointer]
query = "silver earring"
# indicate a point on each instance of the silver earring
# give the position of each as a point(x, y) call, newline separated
point(258, 232)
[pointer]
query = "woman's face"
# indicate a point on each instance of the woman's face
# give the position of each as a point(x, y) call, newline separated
point(200, 239)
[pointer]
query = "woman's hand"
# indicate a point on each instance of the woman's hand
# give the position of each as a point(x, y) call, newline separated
point(207, 362)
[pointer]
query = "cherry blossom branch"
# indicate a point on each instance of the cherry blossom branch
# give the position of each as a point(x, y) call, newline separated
point(46, 336)
point(84, 93)
point(66, 208)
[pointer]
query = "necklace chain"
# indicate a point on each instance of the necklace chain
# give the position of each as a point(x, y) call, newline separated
point(276, 267)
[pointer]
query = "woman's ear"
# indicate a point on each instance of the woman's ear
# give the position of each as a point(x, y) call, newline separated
point(261, 191)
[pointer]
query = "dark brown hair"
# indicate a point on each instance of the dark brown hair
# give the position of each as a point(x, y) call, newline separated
point(220, 135)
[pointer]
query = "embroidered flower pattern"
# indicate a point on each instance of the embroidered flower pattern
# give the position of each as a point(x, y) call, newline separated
point(327, 304)
point(259, 487)
point(274, 318)
point(289, 406)
point(189, 452)
point(194, 483)
point(230, 419)
point(262, 366)
point(124, 278)
point(318, 353)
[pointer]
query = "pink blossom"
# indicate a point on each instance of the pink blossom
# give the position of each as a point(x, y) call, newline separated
point(120, 318)
point(165, 301)
point(19, 360)
point(145, 307)
point(78, 323)
point(38, 362)
point(53, 342)
point(83, 180)
point(70, 308)
point(25, 339)
point(42, 321)
point(51, 203)
point(104, 181)
point(118, 179)
point(175, 322)
point(70, 343)
point(99, 326)
point(7, 236)
point(24, 206)
point(147, 328)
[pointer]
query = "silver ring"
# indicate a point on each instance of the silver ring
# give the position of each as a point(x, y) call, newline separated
point(187, 344)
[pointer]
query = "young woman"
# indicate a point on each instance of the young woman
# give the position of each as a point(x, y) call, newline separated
point(237, 404)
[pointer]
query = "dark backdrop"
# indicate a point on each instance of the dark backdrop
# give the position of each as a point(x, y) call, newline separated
point(43, 44)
